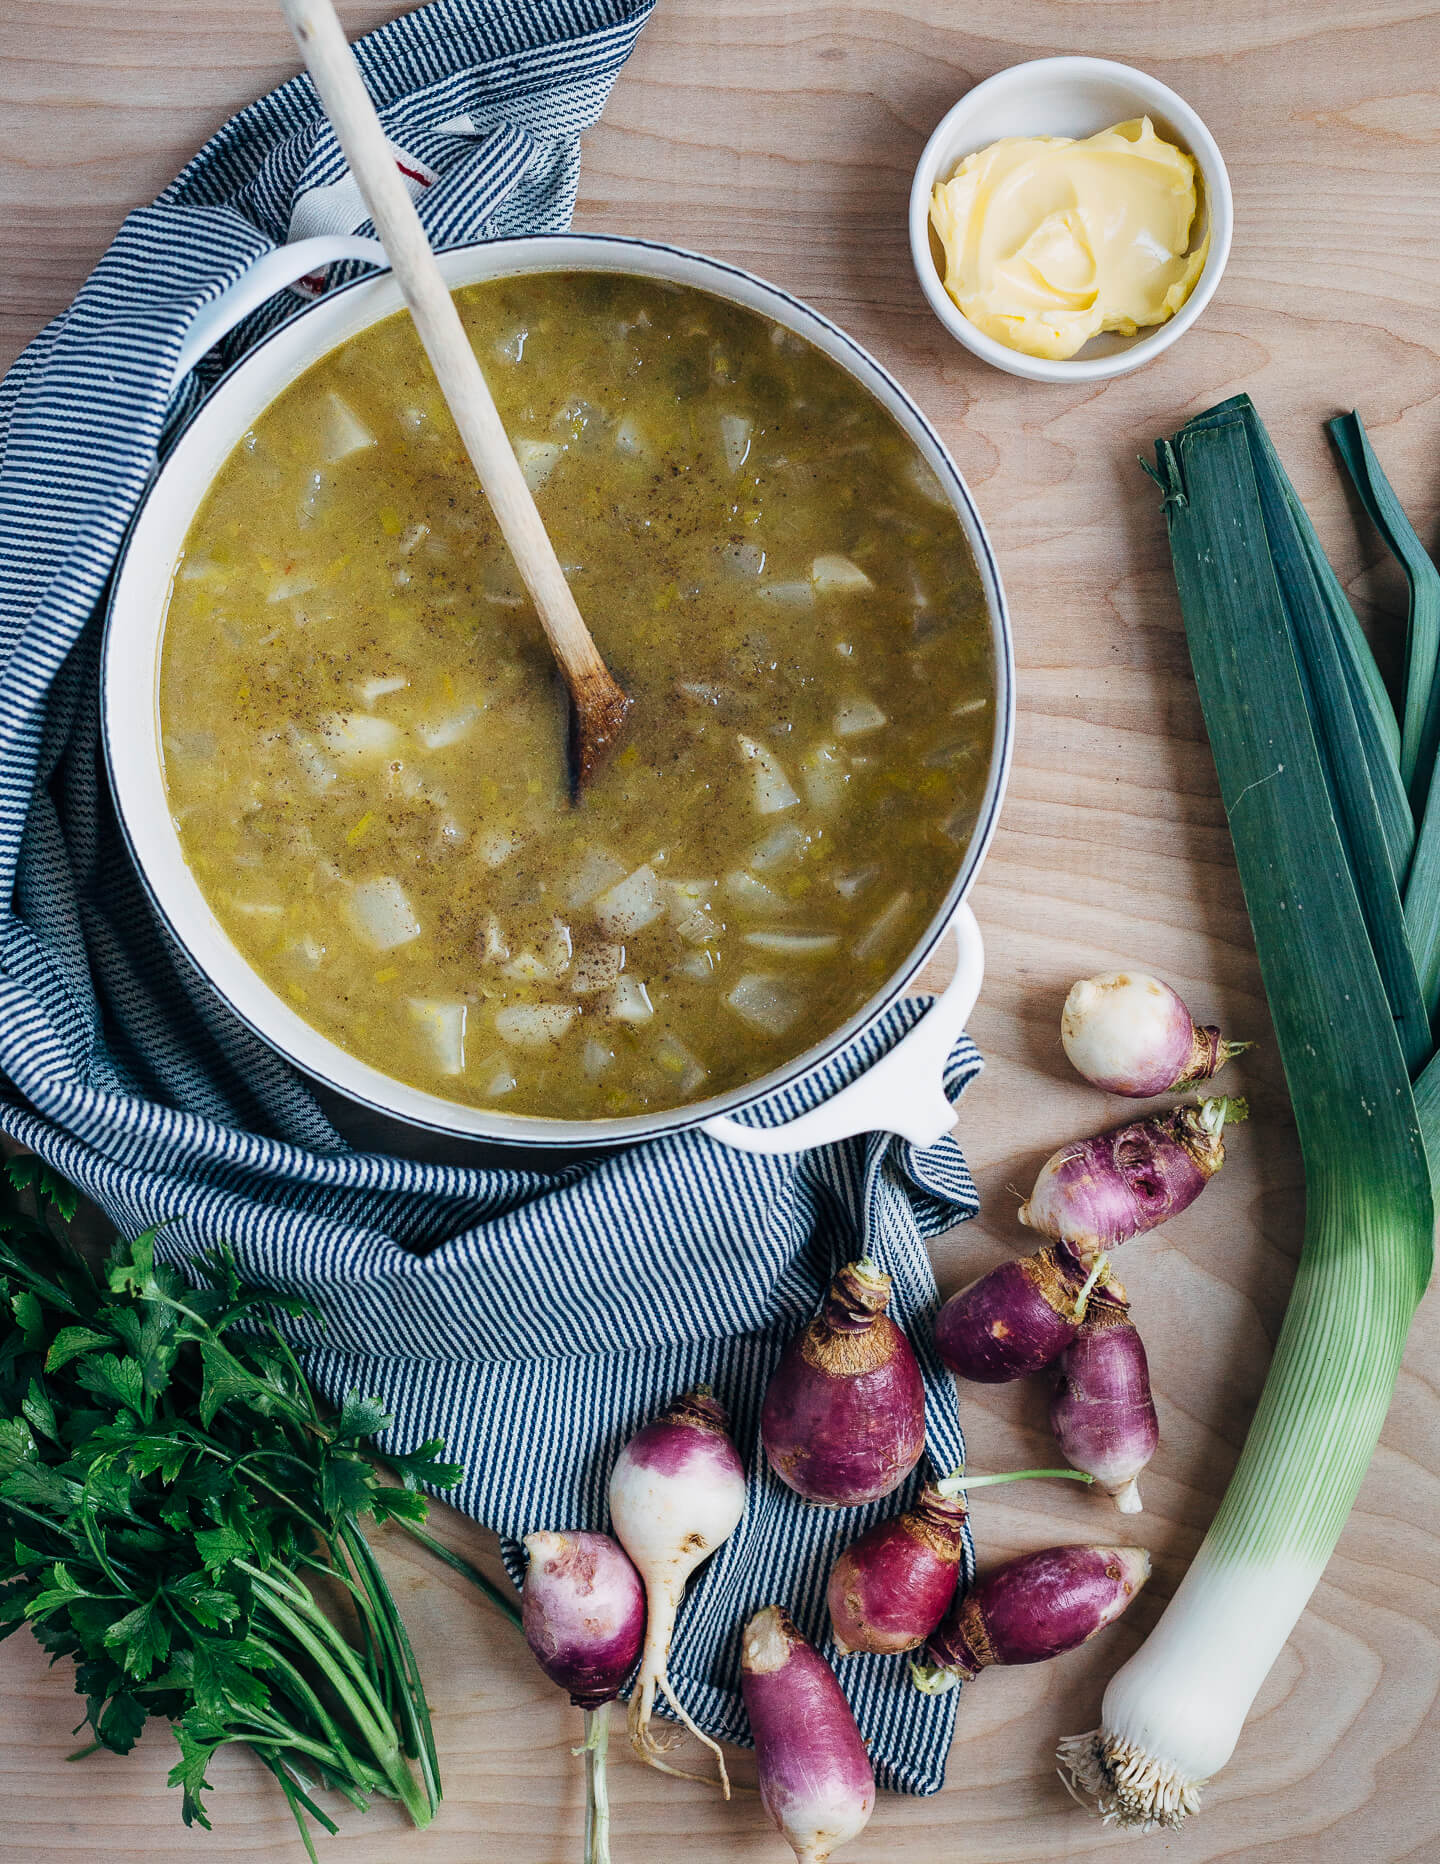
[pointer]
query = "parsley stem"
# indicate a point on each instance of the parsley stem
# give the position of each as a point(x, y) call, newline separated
point(505, 1606)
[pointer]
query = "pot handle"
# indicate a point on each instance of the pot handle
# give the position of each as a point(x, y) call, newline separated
point(904, 1092)
point(284, 266)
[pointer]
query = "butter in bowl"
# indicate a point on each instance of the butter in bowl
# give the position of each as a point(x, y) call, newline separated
point(1070, 219)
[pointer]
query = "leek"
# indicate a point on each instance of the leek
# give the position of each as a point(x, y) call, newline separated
point(1286, 690)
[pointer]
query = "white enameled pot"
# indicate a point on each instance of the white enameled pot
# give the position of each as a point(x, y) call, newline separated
point(901, 1093)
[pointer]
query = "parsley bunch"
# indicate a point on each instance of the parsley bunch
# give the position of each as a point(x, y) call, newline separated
point(179, 1517)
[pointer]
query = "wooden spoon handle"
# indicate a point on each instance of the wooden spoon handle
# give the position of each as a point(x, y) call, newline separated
point(337, 78)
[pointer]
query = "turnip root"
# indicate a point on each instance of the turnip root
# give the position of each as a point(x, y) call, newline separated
point(1131, 1034)
point(1030, 1609)
point(677, 1492)
point(816, 1781)
point(1101, 1409)
point(844, 1415)
point(1102, 1191)
point(583, 1610)
point(1017, 1318)
point(889, 1589)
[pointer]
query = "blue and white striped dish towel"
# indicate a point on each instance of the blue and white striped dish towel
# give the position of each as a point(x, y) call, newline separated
point(531, 1318)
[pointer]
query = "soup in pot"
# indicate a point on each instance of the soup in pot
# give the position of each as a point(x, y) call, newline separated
point(365, 736)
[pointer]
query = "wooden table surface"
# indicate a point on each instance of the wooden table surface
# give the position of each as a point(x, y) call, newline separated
point(783, 138)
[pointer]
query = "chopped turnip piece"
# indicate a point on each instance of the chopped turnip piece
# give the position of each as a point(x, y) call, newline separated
point(698, 964)
point(773, 789)
point(848, 885)
point(359, 737)
point(533, 1025)
point(596, 1058)
point(629, 439)
point(794, 944)
point(959, 825)
point(496, 848)
point(743, 559)
point(597, 968)
point(787, 594)
point(512, 348)
point(309, 951)
point(824, 776)
point(857, 716)
point(924, 481)
point(443, 1025)
point(412, 538)
point(499, 1084)
point(702, 693)
point(781, 846)
point(497, 946)
point(344, 432)
point(381, 914)
point(538, 459)
point(288, 586)
point(629, 1002)
point(526, 968)
point(749, 892)
point(676, 1059)
point(371, 690)
point(735, 431)
point(559, 947)
point(766, 1003)
point(631, 904)
point(832, 575)
point(450, 730)
point(690, 910)
point(882, 928)
point(598, 869)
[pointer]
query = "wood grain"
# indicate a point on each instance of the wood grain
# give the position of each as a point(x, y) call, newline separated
point(783, 138)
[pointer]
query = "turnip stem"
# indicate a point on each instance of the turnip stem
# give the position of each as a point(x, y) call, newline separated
point(954, 1486)
point(595, 1747)
point(1082, 1300)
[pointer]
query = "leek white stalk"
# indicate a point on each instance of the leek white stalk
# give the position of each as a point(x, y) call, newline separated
point(1172, 1715)
point(1340, 975)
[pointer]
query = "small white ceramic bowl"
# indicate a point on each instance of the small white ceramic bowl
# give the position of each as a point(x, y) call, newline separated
point(1069, 97)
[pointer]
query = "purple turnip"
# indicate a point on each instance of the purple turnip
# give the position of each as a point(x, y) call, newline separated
point(1030, 1609)
point(1101, 1409)
point(1131, 1034)
point(677, 1492)
point(583, 1610)
point(1100, 1192)
point(816, 1781)
point(1017, 1318)
point(844, 1415)
point(889, 1589)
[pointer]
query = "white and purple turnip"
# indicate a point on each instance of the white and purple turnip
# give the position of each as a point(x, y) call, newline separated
point(816, 1781)
point(1097, 1193)
point(583, 1611)
point(844, 1415)
point(1017, 1318)
point(677, 1492)
point(1131, 1034)
point(1030, 1609)
point(1101, 1408)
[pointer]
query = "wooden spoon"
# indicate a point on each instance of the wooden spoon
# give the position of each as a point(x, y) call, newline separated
point(598, 703)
